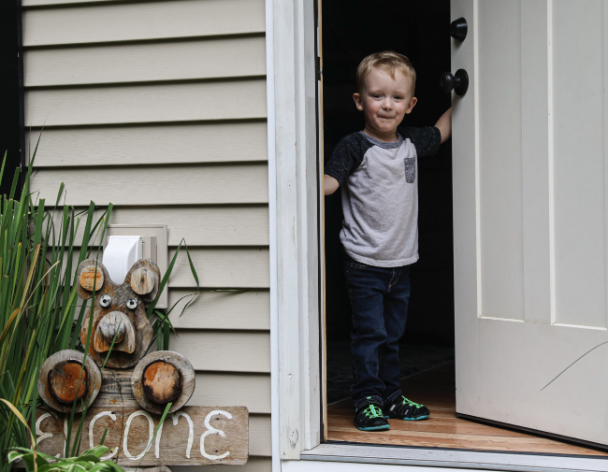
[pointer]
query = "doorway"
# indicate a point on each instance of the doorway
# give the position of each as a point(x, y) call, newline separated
point(417, 30)
point(420, 30)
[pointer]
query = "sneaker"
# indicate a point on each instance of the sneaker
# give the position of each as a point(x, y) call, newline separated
point(403, 409)
point(369, 417)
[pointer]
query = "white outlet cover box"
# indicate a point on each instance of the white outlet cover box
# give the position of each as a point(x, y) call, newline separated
point(154, 246)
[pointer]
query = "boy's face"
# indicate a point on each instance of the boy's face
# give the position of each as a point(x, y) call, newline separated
point(385, 101)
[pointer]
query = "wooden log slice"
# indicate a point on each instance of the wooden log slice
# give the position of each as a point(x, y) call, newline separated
point(68, 381)
point(58, 381)
point(163, 387)
point(162, 382)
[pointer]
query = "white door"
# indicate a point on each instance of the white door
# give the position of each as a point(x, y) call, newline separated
point(530, 154)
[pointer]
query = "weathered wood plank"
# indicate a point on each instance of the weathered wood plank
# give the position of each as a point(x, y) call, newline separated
point(115, 21)
point(222, 268)
point(249, 390)
point(199, 226)
point(159, 103)
point(145, 62)
point(130, 431)
point(151, 144)
point(245, 183)
point(230, 351)
point(222, 310)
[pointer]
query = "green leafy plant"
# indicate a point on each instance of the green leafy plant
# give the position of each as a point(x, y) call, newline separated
point(89, 460)
point(40, 249)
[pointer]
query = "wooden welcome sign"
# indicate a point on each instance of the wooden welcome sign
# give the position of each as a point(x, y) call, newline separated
point(129, 398)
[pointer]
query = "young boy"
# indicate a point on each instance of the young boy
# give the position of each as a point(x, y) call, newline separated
point(376, 169)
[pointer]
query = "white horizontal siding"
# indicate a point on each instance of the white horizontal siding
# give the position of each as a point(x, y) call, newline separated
point(222, 310)
point(174, 102)
point(227, 351)
point(147, 62)
point(222, 267)
point(259, 435)
point(160, 144)
point(156, 185)
point(117, 21)
point(223, 389)
point(159, 107)
point(218, 225)
point(254, 464)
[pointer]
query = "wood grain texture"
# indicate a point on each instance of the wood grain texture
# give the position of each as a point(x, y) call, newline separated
point(162, 377)
point(159, 103)
point(223, 268)
point(436, 389)
point(198, 225)
point(230, 351)
point(249, 390)
point(48, 390)
point(222, 310)
point(145, 62)
point(114, 21)
point(186, 185)
point(151, 144)
point(131, 437)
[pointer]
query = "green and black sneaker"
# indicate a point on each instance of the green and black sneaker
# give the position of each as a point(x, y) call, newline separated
point(403, 409)
point(369, 416)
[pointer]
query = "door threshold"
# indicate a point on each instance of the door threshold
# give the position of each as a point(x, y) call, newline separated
point(455, 458)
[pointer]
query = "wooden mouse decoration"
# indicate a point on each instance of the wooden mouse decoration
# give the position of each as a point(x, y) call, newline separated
point(133, 384)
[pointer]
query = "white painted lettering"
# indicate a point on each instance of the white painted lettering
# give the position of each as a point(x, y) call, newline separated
point(92, 423)
point(126, 435)
point(40, 435)
point(212, 430)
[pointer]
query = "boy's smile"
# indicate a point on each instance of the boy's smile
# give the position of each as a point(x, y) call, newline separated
point(385, 101)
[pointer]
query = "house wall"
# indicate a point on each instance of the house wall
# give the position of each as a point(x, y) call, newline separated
point(159, 107)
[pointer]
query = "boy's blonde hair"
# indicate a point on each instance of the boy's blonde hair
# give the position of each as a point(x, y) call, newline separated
point(387, 61)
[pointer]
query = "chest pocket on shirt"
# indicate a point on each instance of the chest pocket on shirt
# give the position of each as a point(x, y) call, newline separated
point(410, 169)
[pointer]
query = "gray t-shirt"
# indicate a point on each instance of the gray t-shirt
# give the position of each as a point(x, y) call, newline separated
point(380, 194)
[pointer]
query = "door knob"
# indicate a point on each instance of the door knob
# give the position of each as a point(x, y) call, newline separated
point(459, 29)
point(459, 83)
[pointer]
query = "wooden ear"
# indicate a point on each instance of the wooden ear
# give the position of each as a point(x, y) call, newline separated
point(91, 276)
point(144, 278)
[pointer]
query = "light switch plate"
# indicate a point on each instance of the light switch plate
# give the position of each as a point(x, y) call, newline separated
point(155, 247)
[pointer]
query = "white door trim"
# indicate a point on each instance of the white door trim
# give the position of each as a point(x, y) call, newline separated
point(447, 458)
point(296, 401)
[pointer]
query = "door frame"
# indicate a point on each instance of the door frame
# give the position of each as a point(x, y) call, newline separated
point(294, 239)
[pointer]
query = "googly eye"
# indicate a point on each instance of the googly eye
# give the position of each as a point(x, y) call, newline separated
point(132, 303)
point(105, 301)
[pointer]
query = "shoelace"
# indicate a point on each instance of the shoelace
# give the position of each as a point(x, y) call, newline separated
point(408, 402)
point(372, 412)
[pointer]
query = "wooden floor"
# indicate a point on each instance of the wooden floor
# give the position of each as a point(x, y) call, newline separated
point(436, 389)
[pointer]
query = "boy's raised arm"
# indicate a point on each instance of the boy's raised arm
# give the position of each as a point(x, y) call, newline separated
point(444, 124)
point(330, 184)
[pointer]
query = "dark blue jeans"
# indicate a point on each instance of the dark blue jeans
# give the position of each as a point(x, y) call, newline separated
point(379, 299)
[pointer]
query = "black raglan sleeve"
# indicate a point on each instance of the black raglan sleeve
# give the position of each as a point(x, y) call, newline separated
point(426, 140)
point(347, 157)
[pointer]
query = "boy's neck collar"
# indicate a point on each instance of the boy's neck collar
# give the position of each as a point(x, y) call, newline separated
point(384, 144)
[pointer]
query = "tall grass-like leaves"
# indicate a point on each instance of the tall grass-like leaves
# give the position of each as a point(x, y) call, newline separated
point(39, 247)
